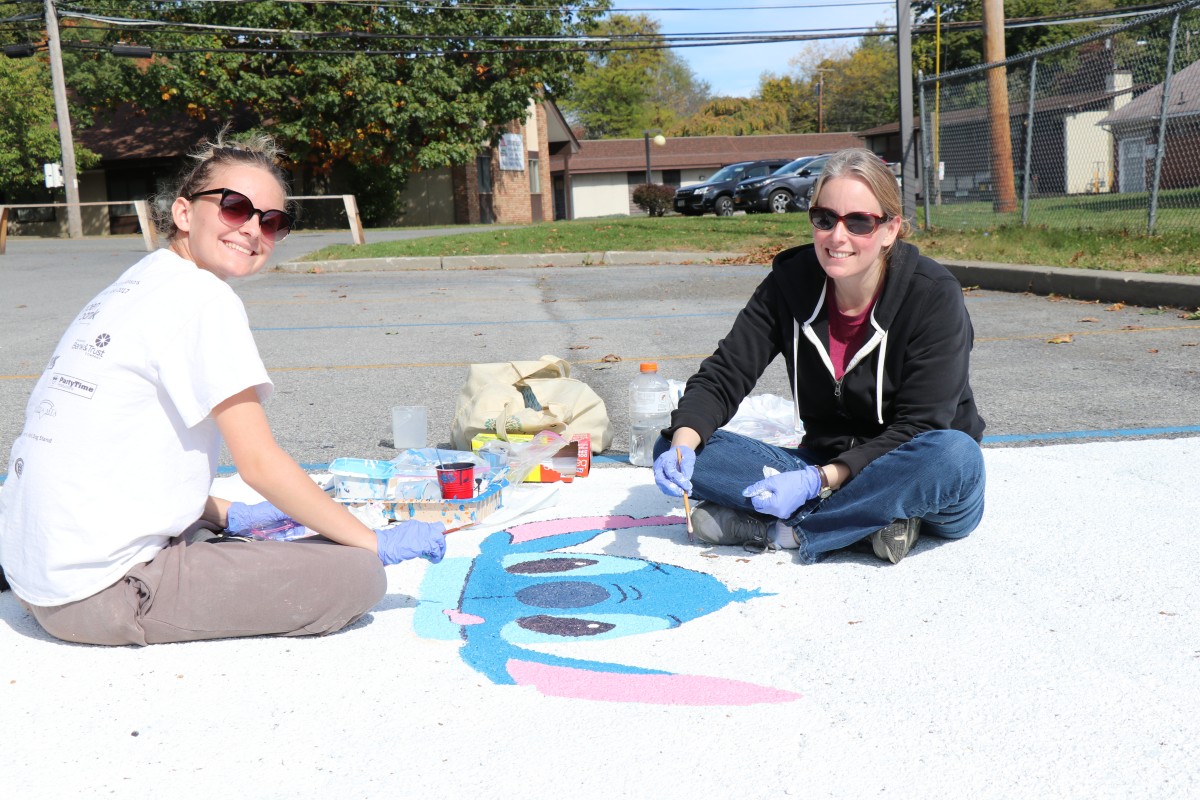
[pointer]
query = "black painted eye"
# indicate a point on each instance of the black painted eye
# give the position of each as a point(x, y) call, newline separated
point(562, 594)
point(542, 566)
point(564, 626)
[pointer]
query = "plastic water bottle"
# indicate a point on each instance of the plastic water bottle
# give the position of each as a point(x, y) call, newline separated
point(649, 413)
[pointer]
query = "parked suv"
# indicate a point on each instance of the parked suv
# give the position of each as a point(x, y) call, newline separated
point(789, 188)
point(716, 194)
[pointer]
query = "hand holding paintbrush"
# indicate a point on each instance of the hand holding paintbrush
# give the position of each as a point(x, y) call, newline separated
point(687, 506)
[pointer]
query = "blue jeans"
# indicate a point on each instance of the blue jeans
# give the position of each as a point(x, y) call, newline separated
point(937, 476)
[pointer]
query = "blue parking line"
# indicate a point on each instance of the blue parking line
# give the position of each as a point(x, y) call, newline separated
point(1115, 433)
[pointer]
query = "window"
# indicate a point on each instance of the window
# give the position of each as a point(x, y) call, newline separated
point(535, 177)
point(483, 173)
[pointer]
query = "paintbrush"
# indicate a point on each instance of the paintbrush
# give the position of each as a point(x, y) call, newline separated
point(687, 506)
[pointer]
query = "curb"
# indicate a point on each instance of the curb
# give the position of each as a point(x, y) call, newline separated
point(1106, 286)
point(515, 261)
point(1136, 288)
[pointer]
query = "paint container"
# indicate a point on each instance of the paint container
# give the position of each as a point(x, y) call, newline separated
point(408, 427)
point(457, 480)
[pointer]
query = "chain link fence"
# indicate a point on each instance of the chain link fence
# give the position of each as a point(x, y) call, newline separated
point(1100, 132)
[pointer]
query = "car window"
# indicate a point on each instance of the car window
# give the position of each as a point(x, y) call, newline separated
point(729, 173)
point(760, 170)
point(816, 165)
point(792, 167)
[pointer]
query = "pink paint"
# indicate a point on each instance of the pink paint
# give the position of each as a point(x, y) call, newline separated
point(461, 618)
point(554, 527)
point(676, 690)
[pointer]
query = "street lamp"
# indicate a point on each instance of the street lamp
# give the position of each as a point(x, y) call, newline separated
point(659, 140)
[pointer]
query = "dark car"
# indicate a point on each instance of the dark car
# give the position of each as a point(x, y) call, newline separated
point(789, 188)
point(716, 194)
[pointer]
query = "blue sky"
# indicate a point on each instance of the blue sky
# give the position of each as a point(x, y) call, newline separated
point(734, 70)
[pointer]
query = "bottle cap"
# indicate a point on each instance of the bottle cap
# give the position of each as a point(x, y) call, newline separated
point(649, 366)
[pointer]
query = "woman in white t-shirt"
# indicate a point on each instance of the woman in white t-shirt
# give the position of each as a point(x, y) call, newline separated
point(105, 518)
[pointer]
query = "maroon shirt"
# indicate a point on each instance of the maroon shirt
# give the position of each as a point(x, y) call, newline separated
point(846, 333)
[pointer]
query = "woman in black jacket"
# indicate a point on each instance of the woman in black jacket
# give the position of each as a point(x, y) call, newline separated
point(877, 342)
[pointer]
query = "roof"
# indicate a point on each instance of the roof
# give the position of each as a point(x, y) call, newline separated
point(130, 135)
point(699, 152)
point(1061, 103)
point(1184, 100)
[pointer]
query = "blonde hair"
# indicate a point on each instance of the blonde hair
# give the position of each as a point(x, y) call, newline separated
point(253, 149)
point(858, 162)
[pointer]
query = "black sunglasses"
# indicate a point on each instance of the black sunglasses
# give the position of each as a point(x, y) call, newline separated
point(859, 223)
point(236, 209)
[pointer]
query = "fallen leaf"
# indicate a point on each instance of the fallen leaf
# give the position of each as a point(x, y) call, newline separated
point(1053, 298)
point(550, 300)
point(1169, 613)
point(1089, 319)
point(1190, 314)
point(580, 347)
point(1078, 255)
point(610, 358)
point(707, 555)
point(1152, 350)
point(1064, 339)
point(1189, 344)
point(854, 622)
point(1116, 307)
point(1133, 327)
point(743, 560)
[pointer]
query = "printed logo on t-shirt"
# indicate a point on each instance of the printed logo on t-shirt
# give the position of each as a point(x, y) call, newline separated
point(75, 386)
point(89, 312)
point(95, 348)
point(45, 409)
point(53, 361)
point(19, 466)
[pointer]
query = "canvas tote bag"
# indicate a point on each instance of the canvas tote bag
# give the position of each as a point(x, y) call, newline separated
point(528, 397)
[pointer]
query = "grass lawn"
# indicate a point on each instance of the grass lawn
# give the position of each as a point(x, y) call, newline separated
point(1175, 251)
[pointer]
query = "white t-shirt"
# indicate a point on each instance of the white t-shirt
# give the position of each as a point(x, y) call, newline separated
point(118, 451)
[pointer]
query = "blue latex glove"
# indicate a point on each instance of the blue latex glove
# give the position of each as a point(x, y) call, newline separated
point(241, 517)
point(780, 495)
point(673, 470)
point(411, 539)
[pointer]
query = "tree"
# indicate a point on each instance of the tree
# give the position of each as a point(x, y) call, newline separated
point(861, 90)
point(337, 83)
point(964, 48)
point(28, 134)
point(622, 91)
point(796, 95)
point(734, 116)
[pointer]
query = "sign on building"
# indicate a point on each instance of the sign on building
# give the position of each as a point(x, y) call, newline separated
point(512, 152)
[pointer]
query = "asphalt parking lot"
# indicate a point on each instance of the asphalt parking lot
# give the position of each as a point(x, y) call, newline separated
point(343, 348)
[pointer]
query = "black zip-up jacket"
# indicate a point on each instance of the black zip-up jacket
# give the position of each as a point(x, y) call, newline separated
point(910, 376)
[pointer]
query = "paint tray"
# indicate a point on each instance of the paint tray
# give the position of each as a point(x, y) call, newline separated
point(451, 513)
point(359, 480)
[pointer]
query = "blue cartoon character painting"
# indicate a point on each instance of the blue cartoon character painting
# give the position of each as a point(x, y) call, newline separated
point(521, 591)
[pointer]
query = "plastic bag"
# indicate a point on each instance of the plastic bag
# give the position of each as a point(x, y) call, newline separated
point(768, 418)
point(522, 457)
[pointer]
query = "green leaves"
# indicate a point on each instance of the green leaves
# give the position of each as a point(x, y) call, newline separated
point(339, 83)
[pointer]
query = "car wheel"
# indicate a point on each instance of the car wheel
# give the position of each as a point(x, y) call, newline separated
point(780, 201)
point(723, 207)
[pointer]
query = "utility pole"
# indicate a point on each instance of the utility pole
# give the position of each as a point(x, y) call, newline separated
point(908, 150)
point(997, 83)
point(63, 114)
point(821, 98)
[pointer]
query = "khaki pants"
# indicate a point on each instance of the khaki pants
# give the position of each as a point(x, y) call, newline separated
point(196, 590)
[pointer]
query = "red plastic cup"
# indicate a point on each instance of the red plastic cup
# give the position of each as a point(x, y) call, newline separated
point(456, 480)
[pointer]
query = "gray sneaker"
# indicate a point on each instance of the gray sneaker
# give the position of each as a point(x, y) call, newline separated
point(717, 524)
point(893, 542)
